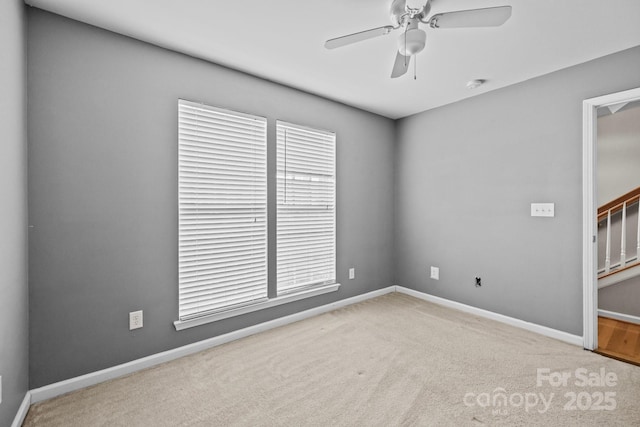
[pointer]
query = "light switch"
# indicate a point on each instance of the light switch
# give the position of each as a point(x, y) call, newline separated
point(543, 209)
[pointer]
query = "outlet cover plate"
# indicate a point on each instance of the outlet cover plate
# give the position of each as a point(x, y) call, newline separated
point(543, 209)
point(135, 320)
point(435, 273)
point(352, 273)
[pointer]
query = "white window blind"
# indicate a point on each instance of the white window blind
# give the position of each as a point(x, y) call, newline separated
point(306, 245)
point(222, 209)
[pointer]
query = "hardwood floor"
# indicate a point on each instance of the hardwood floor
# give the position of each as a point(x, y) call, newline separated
point(618, 339)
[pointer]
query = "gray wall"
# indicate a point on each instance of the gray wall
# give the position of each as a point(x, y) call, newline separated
point(13, 215)
point(618, 154)
point(466, 174)
point(623, 297)
point(103, 192)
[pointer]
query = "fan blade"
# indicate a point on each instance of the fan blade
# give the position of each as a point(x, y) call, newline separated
point(488, 17)
point(398, 8)
point(358, 37)
point(401, 65)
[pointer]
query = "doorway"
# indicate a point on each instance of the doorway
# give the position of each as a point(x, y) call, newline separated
point(590, 207)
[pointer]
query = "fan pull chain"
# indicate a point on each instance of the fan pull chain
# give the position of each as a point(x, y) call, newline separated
point(415, 68)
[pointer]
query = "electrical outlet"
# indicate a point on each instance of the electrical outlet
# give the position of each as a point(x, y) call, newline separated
point(435, 273)
point(135, 320)
point(352, 273)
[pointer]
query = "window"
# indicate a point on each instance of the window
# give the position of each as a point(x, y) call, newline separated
point(306, 232)
point(222, 210)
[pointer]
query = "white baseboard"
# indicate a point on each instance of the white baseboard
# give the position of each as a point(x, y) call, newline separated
point(619, 316)
point(22, 410)
point(72, 384)
point(533, 327)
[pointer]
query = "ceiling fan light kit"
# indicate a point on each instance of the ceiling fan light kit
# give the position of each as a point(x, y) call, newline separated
point(412, 40)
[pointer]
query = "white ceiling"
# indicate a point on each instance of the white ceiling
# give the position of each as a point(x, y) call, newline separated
point(283, 41)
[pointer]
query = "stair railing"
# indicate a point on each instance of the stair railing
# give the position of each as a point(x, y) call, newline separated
point(622, 203)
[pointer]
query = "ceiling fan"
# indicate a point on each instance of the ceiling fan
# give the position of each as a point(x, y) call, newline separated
point(412, 39)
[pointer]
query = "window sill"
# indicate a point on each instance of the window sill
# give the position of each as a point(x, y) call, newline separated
point(307, 293)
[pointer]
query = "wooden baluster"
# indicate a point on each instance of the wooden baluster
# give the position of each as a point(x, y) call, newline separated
point(607, 258)
point(623, 237)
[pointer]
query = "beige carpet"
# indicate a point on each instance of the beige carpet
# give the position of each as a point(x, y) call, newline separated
point(393, 360)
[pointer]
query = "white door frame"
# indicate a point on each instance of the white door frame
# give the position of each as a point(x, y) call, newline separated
point(589, 210)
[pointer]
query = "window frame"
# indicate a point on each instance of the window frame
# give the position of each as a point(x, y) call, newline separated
point(222, 210)
point(308, 163)
point(272, 299)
